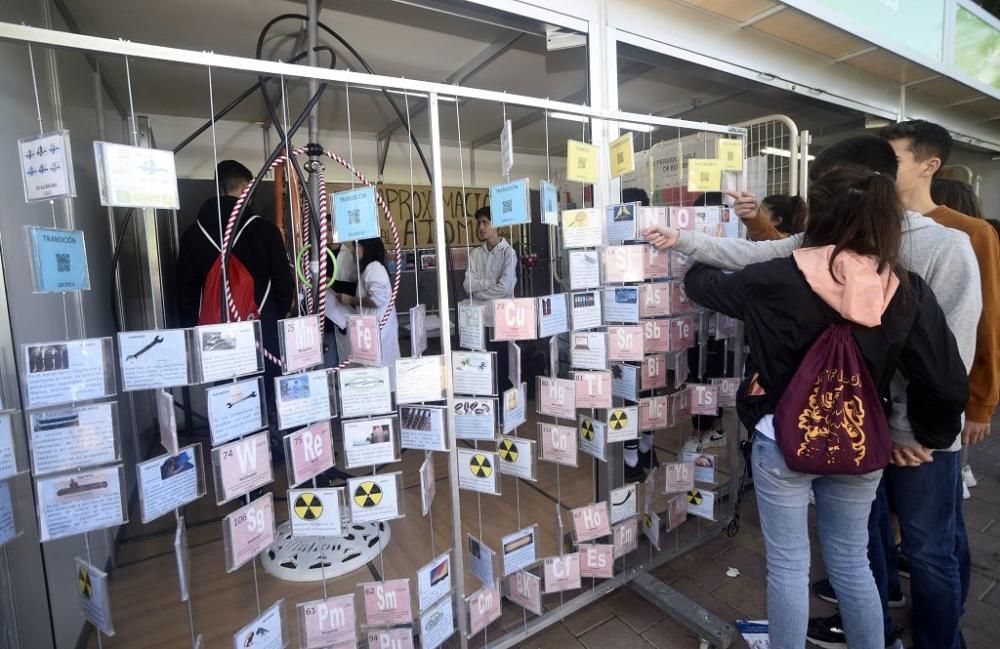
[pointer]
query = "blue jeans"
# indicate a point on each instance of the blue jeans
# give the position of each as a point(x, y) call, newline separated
point(928, 501)
point(843, 503)
point(882, 552)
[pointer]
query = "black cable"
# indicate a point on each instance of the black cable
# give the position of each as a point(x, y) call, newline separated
point(368, 68)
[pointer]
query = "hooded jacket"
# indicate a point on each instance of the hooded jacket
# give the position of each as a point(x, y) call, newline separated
point(941, 256)
point(787, 303)
point(260, 248)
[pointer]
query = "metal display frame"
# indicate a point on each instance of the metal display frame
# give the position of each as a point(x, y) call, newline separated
point(604, 127)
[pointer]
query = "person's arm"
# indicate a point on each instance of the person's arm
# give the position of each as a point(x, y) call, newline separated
point(937, 387)
point(503, 285)
point(716, 290)
point(722, 252)
point(984, 378)
point(375, 279)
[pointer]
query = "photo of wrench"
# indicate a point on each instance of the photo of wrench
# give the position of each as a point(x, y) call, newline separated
point(241, 399)
point(156, 341)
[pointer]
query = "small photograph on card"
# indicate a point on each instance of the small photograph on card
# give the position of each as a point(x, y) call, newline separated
point(370, 441)
point(423, 427)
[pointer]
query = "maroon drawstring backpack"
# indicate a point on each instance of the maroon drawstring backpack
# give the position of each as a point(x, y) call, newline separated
point(830, 418)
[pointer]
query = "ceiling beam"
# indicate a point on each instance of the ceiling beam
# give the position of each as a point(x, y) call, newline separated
point(472, 67)
point(628, 73)
point(767, 13)
point(856, 54)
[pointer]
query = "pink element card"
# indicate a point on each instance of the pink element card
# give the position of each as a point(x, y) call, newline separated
point(591, 522)
point(704, 399)
point(679, 264)
point(562, 573)
point(654, 372)
point(593, 389)
point(514, 319)
point(656, 263)
point(654, 300)
point(679, 302)
point(484, 607)
point(390, 639)
point(329, 621)
point(681, 333)
point(682, 218)
point(624, 264)
point(653, 412)
point(366, 346)
point(242, 466)
point(681, 405)
point(625, 343)
point(650, 216)
point(677, 510)
point(248, 531)
point(387, 602)
point(656, 336)
point(597, 560)
point(679, 477)
point(557, 397)
point(526, 591)
point(626, 537)
point(727, 391)
point(559, 443)
point(310, 452)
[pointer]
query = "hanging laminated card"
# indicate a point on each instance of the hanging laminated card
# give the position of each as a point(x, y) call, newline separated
point(592, 437)
point(386, 603)
point(304, 398)
point(241, 466)
point(519, 549)
point(509, 203)
point(365, 338)
point(559, 443)
point(248, 531)
point(525, 590)
point(588, 350)
point(622, 155)
point(484, 607)
point(481, 559)
point(236, 409)
point(67, 438)
point(228, 350)
point(437, 624)
point(623, 423)
point(562, 573)
point(80, 502)
point(418, 329)
point(549, 201)
point(584, 269)
point(621, 304)
point(423, 427)
point(553, 316)
point(308, 452)
point(517, 458)
point(169, 482)
point(428, 484)
point(47, 166)
point(354, 214)
point(369, 442)
point(581, 162)
point(316, 512)
point(621, 221)
point(58, 260)
point(625, 343)
point(364, 391)
point(624, 264)
point(472, 373)
point(265, 632)
point(434, 581)
point(514, 319)
point(477, 471)
point(327, 622)
point(133, 176)
point(556, 397)
point(582, 228)
point(67, 372)
point(420, 379)
point(376, 497)
point(301, 343)
point(94, 596)
point(476, 418)
point(623, 502)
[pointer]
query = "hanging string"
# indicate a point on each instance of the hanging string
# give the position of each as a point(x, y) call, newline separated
point(303, 224)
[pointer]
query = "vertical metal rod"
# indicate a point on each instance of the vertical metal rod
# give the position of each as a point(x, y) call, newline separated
point(437, 195)
point(316, 256)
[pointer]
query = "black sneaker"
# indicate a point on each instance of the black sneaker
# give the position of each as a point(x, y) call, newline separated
point(828, 632)
point(635, 473)
point(647, 462)
point(823, 589)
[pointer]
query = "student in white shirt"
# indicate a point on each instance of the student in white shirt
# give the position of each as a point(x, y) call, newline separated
point(337, 345)
point(373, 296)
point(491, 275)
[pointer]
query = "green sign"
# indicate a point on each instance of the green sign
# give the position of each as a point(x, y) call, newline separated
point(917, 24)
point(977, 48)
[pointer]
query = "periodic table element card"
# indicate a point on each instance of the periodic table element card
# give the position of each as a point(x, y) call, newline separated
point(621, 304)
point(593, 389)
point(248, 531)
point(681, 218)
point(655, 336)
point(559, 443)
point(514, 319)
point(624, 264)
point(654, 412)
point(553, 315)
point(648, 217)
point(625, 343)
point(682, 332)
point(656, 263)
point(556, 397)
point(328, 622)
point(654, 300)
point(654, 372)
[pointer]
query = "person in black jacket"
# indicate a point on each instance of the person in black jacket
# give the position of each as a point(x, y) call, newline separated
point(847, 271)
point(260, 248)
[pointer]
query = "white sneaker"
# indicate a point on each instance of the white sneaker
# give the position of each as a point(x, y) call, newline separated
point(965, 492)
point(713, 439)
point(967, 477)
point(692, 445)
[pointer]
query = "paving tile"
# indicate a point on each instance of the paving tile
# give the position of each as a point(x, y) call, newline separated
point(613, 634)
point(554, 637)
point(980, 585)
point(751, 538)
point(707, 600)
point(990, 593)
point(668, 634)
point(748, 562)
point(715, 547)
point(985, 549)
point(633, 610)
point(745, 595)
point(587, 618)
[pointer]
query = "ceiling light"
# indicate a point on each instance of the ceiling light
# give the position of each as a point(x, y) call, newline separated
point(784, 153)
point(570, 117)
point(632, 126)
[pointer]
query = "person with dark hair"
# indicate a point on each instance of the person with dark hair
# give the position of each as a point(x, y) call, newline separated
point(373, 297)
point(930, 514)
point(491, 275)
point(956, 195)
point(787, 213)
point(848, 272)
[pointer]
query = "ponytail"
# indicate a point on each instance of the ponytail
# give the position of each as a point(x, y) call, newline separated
point(854, 208)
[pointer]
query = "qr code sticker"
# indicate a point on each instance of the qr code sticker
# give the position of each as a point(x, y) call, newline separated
point(581, 163)
point(62, 263)
point(704, 176)
point(354, 216)
point(621, 157)
point(508, 207)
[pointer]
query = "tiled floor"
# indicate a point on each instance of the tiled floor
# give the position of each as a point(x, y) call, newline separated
point(625, 620)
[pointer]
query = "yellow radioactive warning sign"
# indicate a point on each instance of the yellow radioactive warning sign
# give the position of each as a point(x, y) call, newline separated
point(368, 494)
point(309, 507)
point(618, 420)
point(480, 466)
point(508, 450)
point(83, 581)
point(587, 429)
point(695, 497)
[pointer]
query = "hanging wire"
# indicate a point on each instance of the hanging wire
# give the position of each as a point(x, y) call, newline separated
point(295, 243)
point(90, 561)
point(131, 104)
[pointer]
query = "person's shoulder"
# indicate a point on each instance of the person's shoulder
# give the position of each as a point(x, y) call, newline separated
point(950, 218)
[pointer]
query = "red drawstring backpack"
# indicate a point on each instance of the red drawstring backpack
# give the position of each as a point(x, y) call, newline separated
point(241, 286)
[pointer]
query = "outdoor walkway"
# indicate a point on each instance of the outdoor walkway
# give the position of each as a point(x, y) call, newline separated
point(625, 620)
